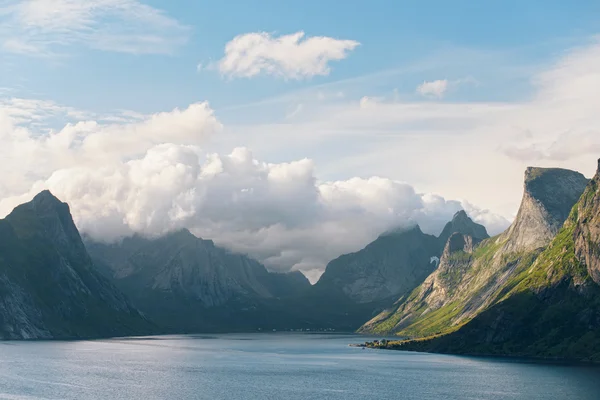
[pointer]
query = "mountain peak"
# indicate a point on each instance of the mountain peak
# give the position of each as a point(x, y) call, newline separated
point(549, 195)
point(463, 224)
point(460, 215)
point(45, 198)
point(403, 230)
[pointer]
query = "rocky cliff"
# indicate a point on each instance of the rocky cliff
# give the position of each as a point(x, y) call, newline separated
point(471, 277)
point(549, 194)
point(48, 285)
point(549, 307)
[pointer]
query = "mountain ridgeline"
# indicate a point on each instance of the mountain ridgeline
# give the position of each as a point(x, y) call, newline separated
point(187, 284)
point(532, 291)
point(355, 287)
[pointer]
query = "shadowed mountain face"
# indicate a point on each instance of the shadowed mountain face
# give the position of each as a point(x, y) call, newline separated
point(48, 285)
point(470, 277)
point(189, 284)
point(393, 264)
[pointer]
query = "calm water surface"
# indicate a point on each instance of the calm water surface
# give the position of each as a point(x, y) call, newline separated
point(272, 366)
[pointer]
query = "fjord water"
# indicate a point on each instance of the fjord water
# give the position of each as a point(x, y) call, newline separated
point(272, 366)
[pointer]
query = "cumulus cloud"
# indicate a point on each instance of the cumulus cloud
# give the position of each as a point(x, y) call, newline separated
point(41, 27)
point(288, 56)
point(33, 151)
point(278, 213)
point(435, 88)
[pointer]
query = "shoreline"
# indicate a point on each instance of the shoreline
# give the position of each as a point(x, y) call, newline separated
point(498, 357)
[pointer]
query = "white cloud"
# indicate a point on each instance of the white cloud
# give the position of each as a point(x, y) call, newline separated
point(287, 56)
point(31, 152)
point(43, 27)
point(435, 88)
point(278, 213)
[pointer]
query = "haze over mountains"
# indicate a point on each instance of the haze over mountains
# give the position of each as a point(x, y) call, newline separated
point(532, 290)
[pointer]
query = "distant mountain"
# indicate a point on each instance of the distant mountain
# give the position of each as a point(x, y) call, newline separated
point(357, 286)
point(188, 284)
point(394, 263)
point(533, 291)
point(49, 287)
point(461, 223)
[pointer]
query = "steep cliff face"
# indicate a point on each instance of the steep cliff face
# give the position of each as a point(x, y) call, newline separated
point(468, 282)
point(48, 285)
point(182, 272)
point(550, 306)
point(587, 228)
point(549, 195)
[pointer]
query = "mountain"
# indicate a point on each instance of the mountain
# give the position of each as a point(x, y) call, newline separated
point(48, 285)
point(357, 286)
point(473, 276)
point(188, 284)
point(394, 263)
point(549, 306)
point(461, 223)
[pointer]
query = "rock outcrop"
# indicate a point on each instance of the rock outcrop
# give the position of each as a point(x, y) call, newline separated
point(587, 229)
point(549, 194)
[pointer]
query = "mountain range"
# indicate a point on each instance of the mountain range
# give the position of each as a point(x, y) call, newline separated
point(187, 284)
point(533, 290)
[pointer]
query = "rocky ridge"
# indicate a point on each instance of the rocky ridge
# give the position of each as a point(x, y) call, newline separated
point(470, 279)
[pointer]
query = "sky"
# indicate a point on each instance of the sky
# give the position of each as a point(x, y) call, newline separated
point(292, 131)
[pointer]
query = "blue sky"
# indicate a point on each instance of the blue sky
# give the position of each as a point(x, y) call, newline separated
point(393, 35)
point(292, 131)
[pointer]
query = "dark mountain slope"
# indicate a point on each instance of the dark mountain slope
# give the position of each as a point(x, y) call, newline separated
point(48, 285)
point(188, 284)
